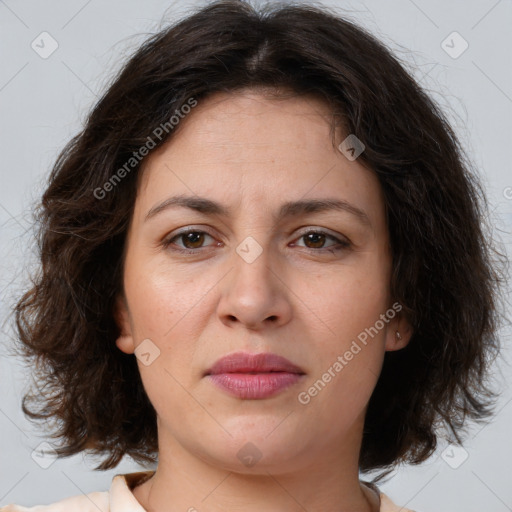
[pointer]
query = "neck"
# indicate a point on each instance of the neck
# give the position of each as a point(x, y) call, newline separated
point(184, 482)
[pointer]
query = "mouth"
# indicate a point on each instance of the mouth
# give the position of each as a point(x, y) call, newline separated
point(253, 377)
point(242, 362)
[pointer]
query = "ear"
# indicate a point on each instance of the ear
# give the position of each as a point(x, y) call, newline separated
point(398, 334)
point(124, 341)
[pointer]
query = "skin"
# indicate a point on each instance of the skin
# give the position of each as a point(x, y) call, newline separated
point(300, 299)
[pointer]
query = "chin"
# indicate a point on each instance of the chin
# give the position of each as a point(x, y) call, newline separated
point(254, 449)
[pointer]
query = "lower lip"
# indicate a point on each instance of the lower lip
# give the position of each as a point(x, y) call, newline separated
point(254, 386)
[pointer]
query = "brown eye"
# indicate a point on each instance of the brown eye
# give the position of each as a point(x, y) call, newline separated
point(317, 240)
point(190, 240)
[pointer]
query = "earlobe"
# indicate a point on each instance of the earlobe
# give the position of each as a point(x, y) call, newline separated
point(125, 344)
point(398, 335)
point(124, 341)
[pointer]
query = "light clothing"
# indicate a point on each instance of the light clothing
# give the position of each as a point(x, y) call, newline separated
point(119, 498)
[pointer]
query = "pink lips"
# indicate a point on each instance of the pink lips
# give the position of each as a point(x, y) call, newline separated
point(253, 377)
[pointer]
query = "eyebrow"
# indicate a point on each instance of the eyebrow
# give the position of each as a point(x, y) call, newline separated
point(289, 209)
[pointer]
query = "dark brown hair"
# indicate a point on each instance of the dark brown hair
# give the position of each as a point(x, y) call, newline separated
point(444, 274)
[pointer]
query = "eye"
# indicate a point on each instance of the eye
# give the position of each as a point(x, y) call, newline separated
point(315, 239)
point(191, 238)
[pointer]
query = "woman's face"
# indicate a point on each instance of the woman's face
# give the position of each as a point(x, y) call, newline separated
point(264, 271)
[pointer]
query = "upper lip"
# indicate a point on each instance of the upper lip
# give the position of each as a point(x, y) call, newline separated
point(243, 362)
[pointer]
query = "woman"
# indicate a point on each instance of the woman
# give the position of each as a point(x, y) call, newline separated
point(255, 263)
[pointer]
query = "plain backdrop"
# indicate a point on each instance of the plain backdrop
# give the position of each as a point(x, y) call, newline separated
point(44, 100)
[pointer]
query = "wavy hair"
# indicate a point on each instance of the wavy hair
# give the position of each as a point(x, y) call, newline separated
point(444, 267)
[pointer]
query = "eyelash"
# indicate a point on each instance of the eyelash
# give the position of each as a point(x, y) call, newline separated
point(342, 243)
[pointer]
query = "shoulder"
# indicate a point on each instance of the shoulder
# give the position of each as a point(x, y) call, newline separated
point(386, 505)
point(92, 502)
point(118, 498)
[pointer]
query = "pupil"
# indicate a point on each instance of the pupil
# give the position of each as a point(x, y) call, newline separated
point(193, 238)
point(313, 236)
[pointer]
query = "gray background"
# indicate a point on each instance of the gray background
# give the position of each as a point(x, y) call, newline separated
point(44, 101)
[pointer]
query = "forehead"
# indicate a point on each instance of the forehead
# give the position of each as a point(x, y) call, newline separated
point(259, 147)
point(250, 124)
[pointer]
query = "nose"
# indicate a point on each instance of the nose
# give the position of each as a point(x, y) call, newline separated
point(254, 292)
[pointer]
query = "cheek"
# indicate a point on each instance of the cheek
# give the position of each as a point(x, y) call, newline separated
point(348, 359)
point(349, 309)
point(166, 311)
point(352, 300)
point(161, 298)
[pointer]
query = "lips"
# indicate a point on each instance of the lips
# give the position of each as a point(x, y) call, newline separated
point(254, 377)
point(242, 362)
